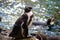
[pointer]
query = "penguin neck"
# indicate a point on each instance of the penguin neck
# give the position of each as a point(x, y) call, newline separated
point(29, 14)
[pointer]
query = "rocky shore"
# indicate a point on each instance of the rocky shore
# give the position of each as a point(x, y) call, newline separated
point(4, 36)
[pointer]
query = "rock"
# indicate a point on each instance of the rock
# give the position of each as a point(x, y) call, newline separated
point(41, 37)
point(0, 18)
point(29, 38)
point(0, 37)
point(0, 30)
